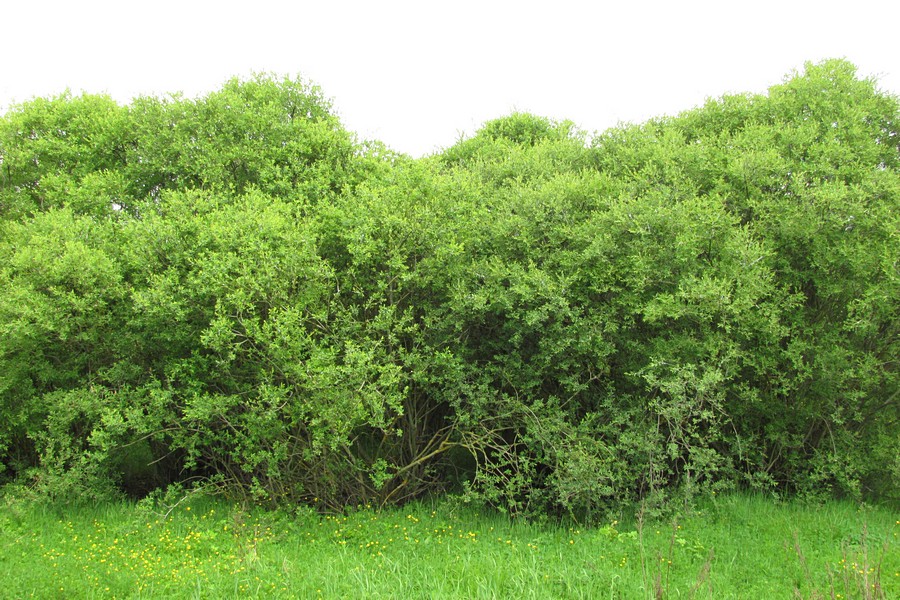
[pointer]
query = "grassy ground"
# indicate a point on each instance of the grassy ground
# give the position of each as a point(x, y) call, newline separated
point(731, 547)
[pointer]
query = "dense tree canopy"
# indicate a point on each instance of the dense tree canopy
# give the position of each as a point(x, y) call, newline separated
point(234, 290)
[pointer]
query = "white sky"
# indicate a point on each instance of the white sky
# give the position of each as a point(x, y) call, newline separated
point(418, 74)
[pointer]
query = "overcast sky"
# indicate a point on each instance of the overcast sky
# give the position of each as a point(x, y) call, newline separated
point(418, 74)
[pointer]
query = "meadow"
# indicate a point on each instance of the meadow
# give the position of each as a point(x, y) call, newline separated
point(733, 546)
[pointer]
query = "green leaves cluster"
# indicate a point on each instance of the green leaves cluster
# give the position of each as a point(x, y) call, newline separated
point(233, 288)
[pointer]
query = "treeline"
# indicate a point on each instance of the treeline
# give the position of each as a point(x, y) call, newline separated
point(233, 290)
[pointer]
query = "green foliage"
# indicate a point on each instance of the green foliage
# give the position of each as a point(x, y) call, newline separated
point(231, 289)
point(814, 175)
point(276, 136)
point(61, 151)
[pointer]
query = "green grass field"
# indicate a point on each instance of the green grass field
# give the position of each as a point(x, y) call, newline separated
point(735, 546)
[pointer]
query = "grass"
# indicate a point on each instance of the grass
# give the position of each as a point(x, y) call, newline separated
point(737, 546)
